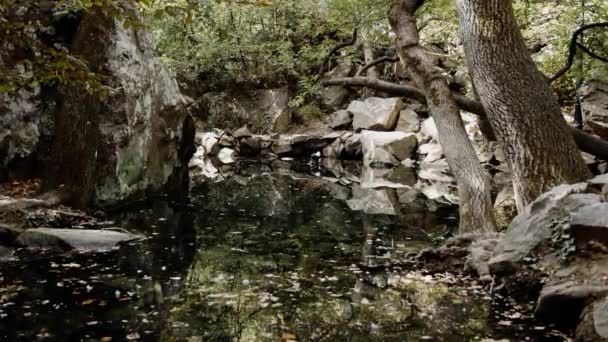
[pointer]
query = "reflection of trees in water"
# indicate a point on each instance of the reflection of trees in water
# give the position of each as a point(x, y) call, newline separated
point(165, 259)
point(292, 235)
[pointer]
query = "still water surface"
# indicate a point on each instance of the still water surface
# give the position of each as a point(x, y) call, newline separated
point(261, 256)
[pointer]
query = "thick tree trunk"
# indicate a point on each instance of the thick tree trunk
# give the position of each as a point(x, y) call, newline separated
point(473, 182)
point(522, 110)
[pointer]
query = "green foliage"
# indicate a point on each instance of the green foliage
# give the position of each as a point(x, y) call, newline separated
point(28, 61)
point(247, 44)
point(231, 44)
point(310, 112)
point(31, 54)
point(554, 25)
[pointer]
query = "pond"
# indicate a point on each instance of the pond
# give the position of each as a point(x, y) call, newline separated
point(266, 254)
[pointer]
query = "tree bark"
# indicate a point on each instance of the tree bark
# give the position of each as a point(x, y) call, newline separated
point(524, 114)
point(473, 182)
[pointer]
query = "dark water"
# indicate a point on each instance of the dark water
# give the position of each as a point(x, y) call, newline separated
point(262, 256)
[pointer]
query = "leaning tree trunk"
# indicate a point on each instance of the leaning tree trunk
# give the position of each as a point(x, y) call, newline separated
point(473, 182)
point(522, 110)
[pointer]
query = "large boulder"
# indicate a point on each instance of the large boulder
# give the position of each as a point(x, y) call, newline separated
point(594, 322)
point(347, 146)
point(86, 240)
point(334, 97)
point(435, 171)
point(341, 119)
point(428, 130)
point(209, 141)
point(352, 146)
point(594, 101)
point(254, 145)
point(136, 140)
point(227, 140)
point(264, 110)
point(533, 228)
point(569, 216)
point(202, 168)
point(376, 113)
point(387, 147)
point(409, 121)
point(242, 132)
point(431, 150)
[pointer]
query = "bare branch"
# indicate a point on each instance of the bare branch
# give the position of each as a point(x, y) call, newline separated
point(572, 49)
point(591, 53)
point(385, 59)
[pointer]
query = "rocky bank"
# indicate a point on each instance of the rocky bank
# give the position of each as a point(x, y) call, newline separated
point(102, 148)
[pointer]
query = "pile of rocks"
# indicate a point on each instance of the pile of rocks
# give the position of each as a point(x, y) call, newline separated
point(396, 141)
point(555, 252)
point(562, 240)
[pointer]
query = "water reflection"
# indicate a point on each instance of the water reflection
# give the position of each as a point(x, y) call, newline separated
point(268, 254)
point(111, 296)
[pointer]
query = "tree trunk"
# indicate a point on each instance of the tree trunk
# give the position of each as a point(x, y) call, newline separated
point(368, 55)
point(522, 110)
point(473, 182)
point(482, 121)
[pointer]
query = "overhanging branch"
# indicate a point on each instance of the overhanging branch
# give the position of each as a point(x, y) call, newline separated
point(385, 59)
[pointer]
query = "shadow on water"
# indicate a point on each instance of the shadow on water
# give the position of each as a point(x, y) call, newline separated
point(260, 256)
